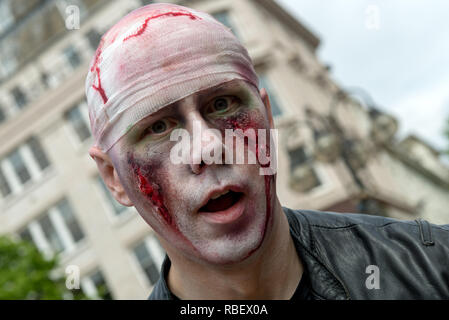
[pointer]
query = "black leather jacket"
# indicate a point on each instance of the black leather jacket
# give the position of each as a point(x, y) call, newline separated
point(358, 256)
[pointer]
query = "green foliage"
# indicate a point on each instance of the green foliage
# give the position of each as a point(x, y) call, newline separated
point(26, 274)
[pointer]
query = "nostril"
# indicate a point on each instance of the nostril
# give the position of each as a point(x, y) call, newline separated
point(198, 168)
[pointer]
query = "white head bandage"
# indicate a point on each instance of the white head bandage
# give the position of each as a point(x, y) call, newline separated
point(151, 58)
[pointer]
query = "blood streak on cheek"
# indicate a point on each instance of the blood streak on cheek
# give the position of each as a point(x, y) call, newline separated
point(152, 191)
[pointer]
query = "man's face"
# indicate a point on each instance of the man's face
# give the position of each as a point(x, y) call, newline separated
point(177, 200)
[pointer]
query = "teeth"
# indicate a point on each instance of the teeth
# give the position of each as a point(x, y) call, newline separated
point(219, 195)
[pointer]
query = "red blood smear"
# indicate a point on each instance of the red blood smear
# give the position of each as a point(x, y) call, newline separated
point(145, 24)
point(152, 190)
point(243, 123)
point(100, 88)
point(153, 194)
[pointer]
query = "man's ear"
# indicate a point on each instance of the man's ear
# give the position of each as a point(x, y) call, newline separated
point(110, 176)
point(266, 102)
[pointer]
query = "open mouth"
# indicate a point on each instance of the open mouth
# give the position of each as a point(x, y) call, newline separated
point(222, 202)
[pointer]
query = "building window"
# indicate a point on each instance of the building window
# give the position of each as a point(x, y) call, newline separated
point(45, 79)
point(95, 286)
point(56, 230)
point(2, 115)
point(19, 97)
point(78, 123)
point(25, 235)
point(19, 166)
point(303, 177)
point(116, 206)
point(23, 164)
point(38, 153)
point(275, 107)
point(94, 37)
point(69, 218)
point(297, 157)
point(147, 263)
point(100, 283)
point(72, 56)
point(5, 189)
point(51, 234)
point(150, 255)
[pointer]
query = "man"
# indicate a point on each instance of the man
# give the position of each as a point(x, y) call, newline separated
point(166, 69)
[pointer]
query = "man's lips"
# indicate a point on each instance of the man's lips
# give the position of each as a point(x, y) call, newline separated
point(221, 202)
point(223, 205)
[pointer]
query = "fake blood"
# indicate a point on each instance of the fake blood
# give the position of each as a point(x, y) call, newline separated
point(95, 67)
point(151, 191)
point(154, 193)
point(139, 31)
point(243, 122)
point(145, 24)
point(99, 88)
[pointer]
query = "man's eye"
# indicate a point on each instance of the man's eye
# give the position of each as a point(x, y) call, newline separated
point(222, 105)
point(159, 128)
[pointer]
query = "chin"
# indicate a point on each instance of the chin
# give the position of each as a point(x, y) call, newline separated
point(231, 249)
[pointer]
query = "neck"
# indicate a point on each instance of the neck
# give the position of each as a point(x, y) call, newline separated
point(273, 272)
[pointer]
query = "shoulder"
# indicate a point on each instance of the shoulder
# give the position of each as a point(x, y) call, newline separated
point(315, 219)
point(409, 253)
point(315, 226)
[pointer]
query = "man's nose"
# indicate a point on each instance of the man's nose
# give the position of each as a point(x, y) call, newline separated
point(204, 139)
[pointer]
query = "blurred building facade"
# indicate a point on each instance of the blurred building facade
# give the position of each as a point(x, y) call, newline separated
point(336, 151)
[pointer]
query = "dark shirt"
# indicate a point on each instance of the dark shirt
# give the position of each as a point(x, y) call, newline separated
point(303, 291)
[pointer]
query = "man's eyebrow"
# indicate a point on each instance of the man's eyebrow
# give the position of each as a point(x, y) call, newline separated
point(220, 88)
point(206, 92)
point(171, 108)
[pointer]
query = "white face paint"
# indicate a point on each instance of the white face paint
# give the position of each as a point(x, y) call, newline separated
point(177, 200)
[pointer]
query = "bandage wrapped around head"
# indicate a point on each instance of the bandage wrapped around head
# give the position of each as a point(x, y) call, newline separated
point(151, 58)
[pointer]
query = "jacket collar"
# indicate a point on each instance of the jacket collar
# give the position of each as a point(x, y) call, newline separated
point(325, 284)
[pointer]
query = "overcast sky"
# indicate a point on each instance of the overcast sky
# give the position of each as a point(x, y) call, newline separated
point(397, 50)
